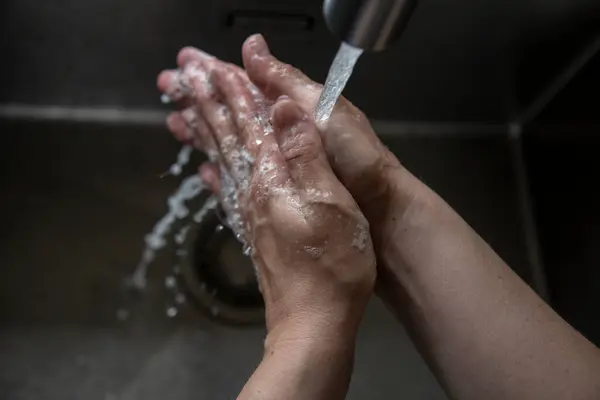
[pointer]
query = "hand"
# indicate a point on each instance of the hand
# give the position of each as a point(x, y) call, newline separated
point(310, 242)
point(370, 172)
point(436, 265)
point(359, 159)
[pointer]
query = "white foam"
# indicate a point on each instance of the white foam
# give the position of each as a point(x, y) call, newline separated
point(361, 238)
point(313, 251)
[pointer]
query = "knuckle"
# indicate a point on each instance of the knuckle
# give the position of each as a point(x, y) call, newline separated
point(278, 69)
point(301, 148)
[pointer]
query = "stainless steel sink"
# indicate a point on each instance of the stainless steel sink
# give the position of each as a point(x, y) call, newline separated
point(80, 186)
point(78, 198)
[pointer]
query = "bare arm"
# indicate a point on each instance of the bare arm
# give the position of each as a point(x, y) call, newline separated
point(308, 239)
point(483, 331)
point(318, 365)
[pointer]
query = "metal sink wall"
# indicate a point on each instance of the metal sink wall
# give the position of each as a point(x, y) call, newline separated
point(459, 60)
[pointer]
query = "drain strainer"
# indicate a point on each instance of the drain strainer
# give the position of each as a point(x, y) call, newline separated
point(219, 277)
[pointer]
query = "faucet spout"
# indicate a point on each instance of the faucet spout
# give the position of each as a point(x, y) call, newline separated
point(368, 24)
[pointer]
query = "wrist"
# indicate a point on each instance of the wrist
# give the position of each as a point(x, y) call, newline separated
point(398, 215)
point(309, 342)
point(314, 330)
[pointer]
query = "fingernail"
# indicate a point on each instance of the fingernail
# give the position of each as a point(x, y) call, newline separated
point(282, 98)
point(259, 45)
point(196, 53)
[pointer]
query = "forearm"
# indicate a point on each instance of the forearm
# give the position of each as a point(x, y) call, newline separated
point(309, 366)
point(484, 332)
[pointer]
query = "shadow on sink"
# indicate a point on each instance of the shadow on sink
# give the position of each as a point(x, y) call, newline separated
point(79, 198)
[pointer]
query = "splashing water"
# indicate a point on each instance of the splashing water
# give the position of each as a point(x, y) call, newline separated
point(339, 73)
point(209, 205)
point(183, 158)
point(190, 187)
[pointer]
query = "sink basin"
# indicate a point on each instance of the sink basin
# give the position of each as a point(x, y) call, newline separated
point(78, 198)
point(80, 187)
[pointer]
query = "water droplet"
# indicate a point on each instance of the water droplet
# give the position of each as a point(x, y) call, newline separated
point(122, 314)
point(180, 298)
point(258, 142)
point(247, 250)
point(219, 228)
point(175, 169)
point(170, 282)
point(172, 312)
point(165, 99)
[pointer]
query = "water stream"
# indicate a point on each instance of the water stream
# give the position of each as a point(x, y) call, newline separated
point(339, 73)
point(190, 187)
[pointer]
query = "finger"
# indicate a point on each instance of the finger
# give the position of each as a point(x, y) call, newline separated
point(271, 179)
point(275, 78)
point(209, 173)
point(203, 139)
point(178, 126)
point(218, 118)
point(300, 144)
point(193, 55)
point(170, 84)
point(235, 94)
point(190, 54)
point(176, 84)
point(251, 119)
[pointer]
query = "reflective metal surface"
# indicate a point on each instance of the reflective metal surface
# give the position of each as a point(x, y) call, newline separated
point(369, 25)
point(459, 60)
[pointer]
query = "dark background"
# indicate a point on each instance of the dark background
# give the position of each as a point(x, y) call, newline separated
point(459, 60)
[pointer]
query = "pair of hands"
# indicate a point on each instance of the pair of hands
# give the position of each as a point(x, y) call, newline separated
point(290, 190)
point(301, 198)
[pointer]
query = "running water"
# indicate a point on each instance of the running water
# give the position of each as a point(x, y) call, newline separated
point(183, 158)
point(338, 76)
point(190, 187)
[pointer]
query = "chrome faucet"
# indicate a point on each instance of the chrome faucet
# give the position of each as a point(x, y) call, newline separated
point(368, 24)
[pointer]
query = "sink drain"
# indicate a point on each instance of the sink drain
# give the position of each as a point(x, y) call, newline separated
point(219, 277)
